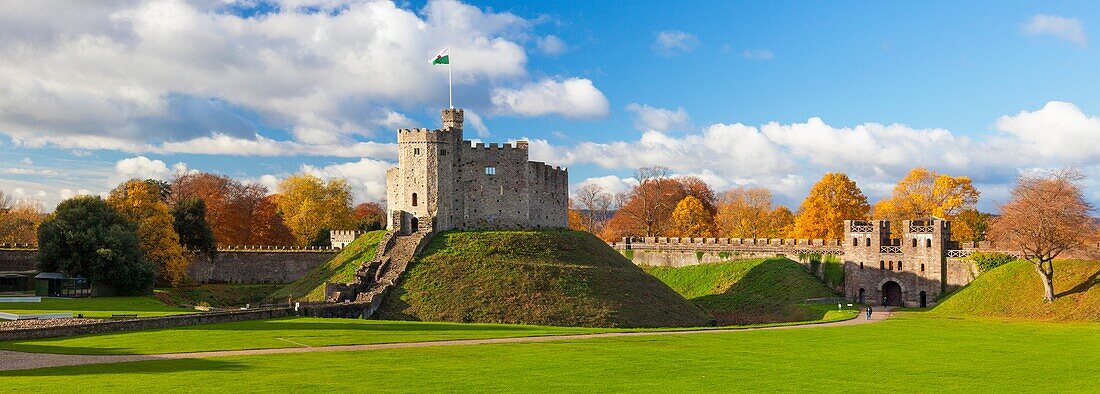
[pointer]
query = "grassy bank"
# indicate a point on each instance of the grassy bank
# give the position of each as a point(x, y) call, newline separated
point(748, 291)
point(1014, 291)
point(562, 278)
point(341, 269)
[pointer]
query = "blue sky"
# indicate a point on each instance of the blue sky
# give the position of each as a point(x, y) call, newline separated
point(764, 94)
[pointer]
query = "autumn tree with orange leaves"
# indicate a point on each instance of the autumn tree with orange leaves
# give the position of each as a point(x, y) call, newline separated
point(311, 207)
point(237, 213)
point(832, 200)
point(747, 212)
point(646, 209)
point(923, 193)
point(691, 219)
point(1046, 216)
point(139, 202)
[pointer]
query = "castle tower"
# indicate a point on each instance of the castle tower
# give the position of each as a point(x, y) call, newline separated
point(418, 186)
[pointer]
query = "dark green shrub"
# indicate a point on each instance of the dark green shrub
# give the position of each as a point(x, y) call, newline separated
point(989, 260)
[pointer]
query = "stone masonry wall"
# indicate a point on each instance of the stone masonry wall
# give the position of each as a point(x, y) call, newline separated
point(17, 260)
point(255, 267)
point(227, 267)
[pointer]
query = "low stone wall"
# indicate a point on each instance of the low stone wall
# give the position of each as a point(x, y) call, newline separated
point(146, 323)
point(229, 266)
point(17, 260)
point(681, 258)
point(255, 266)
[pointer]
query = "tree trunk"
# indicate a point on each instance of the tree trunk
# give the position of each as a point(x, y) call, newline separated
point(1047, 275)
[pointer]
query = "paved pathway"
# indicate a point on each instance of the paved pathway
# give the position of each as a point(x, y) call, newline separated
point(10, 360)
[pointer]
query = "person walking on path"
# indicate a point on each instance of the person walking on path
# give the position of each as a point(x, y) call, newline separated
point(868, 312)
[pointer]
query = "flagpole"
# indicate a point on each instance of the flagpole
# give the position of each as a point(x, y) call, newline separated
point(450, 90)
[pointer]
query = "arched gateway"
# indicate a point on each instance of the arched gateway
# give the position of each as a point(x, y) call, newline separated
point(891, 293)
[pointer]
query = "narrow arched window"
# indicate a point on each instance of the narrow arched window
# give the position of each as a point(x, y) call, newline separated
point(928, 243)
point(861, 265)
point(914, 242)
point(855, 241)
point(922, 268)
point(868, 241)
point(899, 266)
point(891, 266)
point(881, 265)
point(414, 199)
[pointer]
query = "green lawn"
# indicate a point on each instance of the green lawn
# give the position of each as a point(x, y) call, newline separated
point(911, 353)
point(298, 331)
point(96, 307)
point(278, 333)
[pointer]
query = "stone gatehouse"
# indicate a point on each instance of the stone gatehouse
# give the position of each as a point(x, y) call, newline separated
point(444, 182)
point(912, 269)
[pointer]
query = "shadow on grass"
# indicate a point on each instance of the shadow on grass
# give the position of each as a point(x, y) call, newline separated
point(153, 367)
point(351, 326)
point(1082, 287)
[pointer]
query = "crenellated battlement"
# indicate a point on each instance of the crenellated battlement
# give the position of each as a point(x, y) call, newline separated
point(460, 184)
point(423, 135)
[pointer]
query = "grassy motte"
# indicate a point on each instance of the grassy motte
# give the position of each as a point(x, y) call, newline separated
point(96, 307)
point(217, 295)
point(955, 355)
point(1014, 291)
point(748, 291)
point(340, 269)
point(561, 278)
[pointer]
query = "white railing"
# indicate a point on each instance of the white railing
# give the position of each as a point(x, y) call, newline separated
point(862, 228)
point(959, 253)
point(921, 229)
point(890, 249)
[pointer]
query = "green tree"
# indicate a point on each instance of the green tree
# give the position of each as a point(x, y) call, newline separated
point(189, 220)
point(86, 237)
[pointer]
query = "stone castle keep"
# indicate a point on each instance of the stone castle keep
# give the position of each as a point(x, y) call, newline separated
point(911, 270)
point(442, 182)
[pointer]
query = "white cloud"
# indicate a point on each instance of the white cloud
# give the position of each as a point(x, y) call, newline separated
point(1059, 129)
point(473, 120)
point(757, 54)
point(672, 42)
point(366, 177)
point(610, 184)
point(27, 171)
point(135, 76)
point(789, 158)
point(570, 98)
point(1069, 29)
point(141, 167)
point(551, 45)
point(659, 119)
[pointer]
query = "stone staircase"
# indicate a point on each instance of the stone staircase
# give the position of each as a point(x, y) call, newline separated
point(362, 297)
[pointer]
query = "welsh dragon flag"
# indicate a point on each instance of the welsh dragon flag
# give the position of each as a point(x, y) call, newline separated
point(442, 58)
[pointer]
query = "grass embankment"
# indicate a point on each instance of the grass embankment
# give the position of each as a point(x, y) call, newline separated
point(1014, 291)
point(279, 333)
point(96, 307)
point(955, 355)
point(217, 295)
point(749, 291)
point(561, 278)
point(340, 269)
